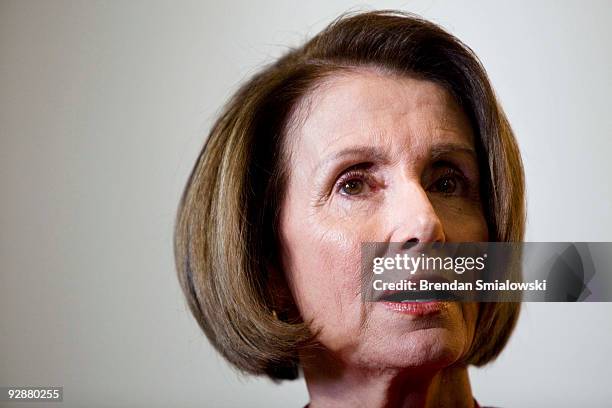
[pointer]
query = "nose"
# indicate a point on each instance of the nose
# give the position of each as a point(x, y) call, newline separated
point(414, 217)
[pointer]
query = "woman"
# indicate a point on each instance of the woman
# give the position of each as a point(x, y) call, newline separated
point(382, 128)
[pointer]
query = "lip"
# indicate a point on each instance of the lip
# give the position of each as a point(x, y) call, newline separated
point(417, 296)
point(416, 308)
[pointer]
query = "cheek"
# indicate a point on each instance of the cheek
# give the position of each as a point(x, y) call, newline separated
point(323, 267)
point(322, 262)
point(463, 222)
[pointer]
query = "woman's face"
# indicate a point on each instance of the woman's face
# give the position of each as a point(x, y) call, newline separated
point(377, 158)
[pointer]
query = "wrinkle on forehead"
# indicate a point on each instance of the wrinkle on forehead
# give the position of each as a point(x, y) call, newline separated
point(347, 108)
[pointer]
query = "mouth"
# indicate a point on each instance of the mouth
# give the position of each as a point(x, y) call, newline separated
point(419, 308)
point(417, 296)
point(418, 302)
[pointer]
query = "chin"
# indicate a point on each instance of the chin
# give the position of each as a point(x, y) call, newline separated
point(431, 344)
point(430, 350)
point(433, 348)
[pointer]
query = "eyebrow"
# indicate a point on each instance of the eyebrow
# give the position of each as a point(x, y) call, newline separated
point(371, 152)
point(376, 154)
point(447, 148)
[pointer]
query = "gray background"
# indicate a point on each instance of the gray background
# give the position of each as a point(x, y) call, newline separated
point(103, 108)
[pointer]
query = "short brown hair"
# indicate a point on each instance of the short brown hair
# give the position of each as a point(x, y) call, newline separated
point(226, 230)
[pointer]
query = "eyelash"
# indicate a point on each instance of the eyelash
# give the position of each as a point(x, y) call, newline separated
point(354, 174)
point(359, 174)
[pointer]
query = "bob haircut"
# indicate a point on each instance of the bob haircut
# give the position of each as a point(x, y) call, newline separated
point(226, 240)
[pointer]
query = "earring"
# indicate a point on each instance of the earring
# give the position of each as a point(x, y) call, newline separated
point(274, 315)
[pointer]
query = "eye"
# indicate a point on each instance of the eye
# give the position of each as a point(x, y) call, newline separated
point(355, 182)
point(451, 182)
point(446, 185)
point(352, 187)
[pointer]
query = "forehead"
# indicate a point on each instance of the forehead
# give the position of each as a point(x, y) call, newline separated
point(368, 107)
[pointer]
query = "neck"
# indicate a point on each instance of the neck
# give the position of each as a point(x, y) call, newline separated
point(337, 385)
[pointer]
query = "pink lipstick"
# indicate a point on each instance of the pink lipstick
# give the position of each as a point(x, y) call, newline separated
point(415, 308)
